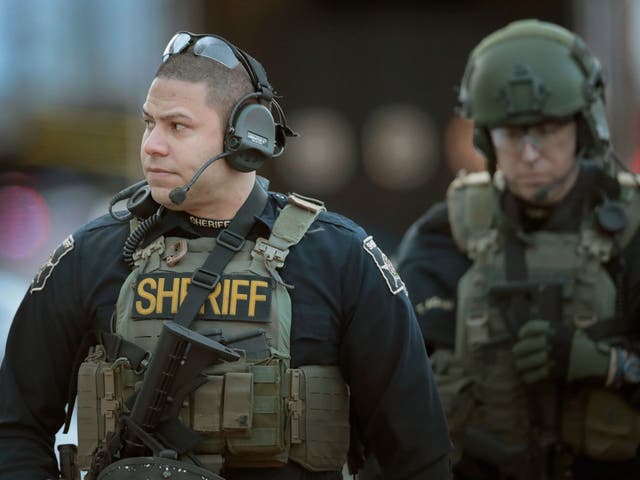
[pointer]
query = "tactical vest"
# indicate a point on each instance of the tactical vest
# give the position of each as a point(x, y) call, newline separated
point(492, 406)
point(256, 412)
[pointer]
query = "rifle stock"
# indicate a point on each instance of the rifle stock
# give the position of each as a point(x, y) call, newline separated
point(179, 358)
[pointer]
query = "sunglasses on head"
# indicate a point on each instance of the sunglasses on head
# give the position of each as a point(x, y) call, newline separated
point(209, 46)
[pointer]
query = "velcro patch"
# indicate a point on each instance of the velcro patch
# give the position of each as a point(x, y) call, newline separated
point(44, 273)
point(394, 282)
point(235, 297)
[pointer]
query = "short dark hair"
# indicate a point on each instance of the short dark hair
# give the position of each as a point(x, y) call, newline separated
point(224, 86)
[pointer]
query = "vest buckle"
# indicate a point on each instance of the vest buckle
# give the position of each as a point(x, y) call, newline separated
point(205, 279)
point(230, 240)
point(271, 254)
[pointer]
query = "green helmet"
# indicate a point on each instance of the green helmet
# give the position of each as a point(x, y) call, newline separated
point(532, 71)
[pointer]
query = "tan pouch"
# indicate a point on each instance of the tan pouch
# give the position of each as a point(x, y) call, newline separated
point(102, 388)
point(264, 444)
point(206, 405)
point(456, 395)
point(237, 415)
point(319, 417)
point(612, 432)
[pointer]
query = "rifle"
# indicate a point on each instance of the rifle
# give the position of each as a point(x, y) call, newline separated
point(152, 424)
point(254, 342)
point(544, 299)
point(519, 301)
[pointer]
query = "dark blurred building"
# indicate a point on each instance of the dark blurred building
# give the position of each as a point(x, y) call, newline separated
point(370, 86)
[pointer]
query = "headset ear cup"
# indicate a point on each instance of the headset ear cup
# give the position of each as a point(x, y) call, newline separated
point(596, 118)
point(251, 137)
point(482, 141)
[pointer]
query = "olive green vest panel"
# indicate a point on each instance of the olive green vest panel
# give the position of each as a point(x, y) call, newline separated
point(246, 288)
point(482, 361)
point(471, 215)
point(250, 413)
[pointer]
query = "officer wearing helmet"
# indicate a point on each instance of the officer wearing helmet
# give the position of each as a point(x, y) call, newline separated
point(525, 280)
point(215, 328)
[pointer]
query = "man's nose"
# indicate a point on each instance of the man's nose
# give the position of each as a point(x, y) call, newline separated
point(155, 143)
point(530, 148)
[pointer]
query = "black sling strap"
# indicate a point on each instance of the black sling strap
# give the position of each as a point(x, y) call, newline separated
point(228, 243)
point(515, 269)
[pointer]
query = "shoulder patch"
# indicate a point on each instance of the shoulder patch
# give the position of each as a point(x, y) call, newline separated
point(44, 273)
point(388, 271)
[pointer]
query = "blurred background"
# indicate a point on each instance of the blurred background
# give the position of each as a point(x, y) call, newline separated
point(370, 86)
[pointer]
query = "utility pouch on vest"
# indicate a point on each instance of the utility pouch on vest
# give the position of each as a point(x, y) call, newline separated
point(612, 431)
point(456, 394)
point(237, 415)
point(241, 415)
point(477, 329)
point(224, 404)
point(510, 458)
point(318, 407)
point(458, 403)
point(264, 443)
point(102, 388)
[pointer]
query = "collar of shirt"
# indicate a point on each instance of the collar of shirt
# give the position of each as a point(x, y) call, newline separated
point(180, 220)
point(275, 203)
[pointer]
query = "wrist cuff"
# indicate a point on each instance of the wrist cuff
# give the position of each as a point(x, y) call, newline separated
point(624, 367)
point(613, 367)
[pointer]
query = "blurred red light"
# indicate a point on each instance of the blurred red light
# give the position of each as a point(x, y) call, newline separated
point(24, 220)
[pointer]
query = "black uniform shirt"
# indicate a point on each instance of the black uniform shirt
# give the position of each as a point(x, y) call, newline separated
point(343, 313)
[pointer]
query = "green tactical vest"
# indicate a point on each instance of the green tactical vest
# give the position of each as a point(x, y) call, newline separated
point(256, 412)
point(495, 402)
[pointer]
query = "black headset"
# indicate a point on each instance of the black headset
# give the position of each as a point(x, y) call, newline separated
point(252, 127)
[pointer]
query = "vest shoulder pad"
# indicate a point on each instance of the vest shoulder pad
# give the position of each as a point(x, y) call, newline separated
point(628, 180)
point(294, 220)
point(472, 203)
point(464, 179)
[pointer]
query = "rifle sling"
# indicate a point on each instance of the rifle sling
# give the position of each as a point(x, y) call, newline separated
point(228, 243)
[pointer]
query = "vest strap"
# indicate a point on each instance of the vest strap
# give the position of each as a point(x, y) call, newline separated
point(292, 223)
point(289, 228)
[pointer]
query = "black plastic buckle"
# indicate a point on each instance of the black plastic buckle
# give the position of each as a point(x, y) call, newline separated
point(230, 240)
point(205, 279)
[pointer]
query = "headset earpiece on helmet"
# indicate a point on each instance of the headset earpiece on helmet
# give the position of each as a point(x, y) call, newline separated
point(598, 137)
point(482, 141)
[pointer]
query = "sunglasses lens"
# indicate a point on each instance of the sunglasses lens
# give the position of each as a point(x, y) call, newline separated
point(176, 45)
point(216, 50)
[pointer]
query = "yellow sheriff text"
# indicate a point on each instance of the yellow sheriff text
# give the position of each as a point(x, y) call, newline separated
point(232, 297)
